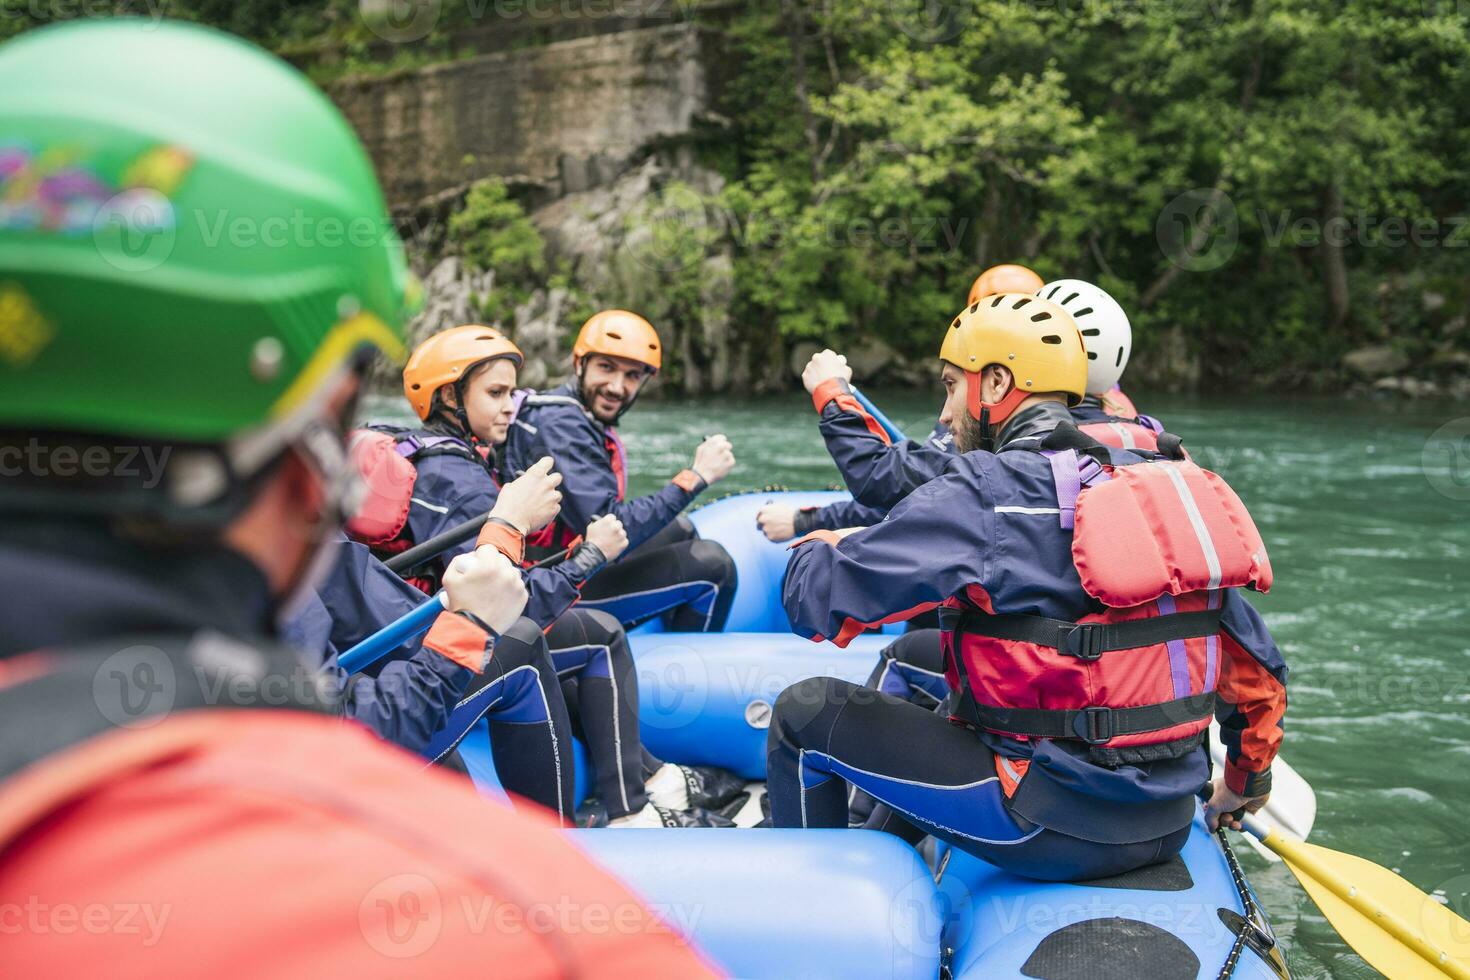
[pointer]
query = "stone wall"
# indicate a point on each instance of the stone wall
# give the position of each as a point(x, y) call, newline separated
point(565, 116)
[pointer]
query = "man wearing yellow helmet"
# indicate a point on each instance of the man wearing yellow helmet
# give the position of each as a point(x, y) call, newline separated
point(668, 572)
point(1081, 677)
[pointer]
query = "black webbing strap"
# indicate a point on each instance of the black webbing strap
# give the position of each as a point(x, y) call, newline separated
point(1094, 726)
point(1085, 641)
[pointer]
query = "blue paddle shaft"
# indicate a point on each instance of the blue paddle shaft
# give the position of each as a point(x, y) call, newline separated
point(404, 628)
point(893, 431)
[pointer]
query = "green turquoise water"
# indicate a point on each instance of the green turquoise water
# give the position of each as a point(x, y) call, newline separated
point(1365, 508)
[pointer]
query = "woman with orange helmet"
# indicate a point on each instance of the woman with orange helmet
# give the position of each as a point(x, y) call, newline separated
point(461, 383)
point(668, 572)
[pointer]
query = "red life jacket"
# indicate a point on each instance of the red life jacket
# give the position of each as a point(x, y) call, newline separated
point(1114, 402)
point(1125, 434)
point(1154, 544)
point(384, 457)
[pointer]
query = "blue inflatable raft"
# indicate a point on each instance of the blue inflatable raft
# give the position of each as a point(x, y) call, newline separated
point(839, 903)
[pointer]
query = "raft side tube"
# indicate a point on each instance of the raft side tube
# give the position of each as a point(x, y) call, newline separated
point(761, 564)
point(705, 699)
point(785, 903)
point(1160, 921)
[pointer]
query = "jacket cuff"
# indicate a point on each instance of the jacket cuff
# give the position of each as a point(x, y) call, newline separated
point(507, 540)
point(459, 639)
point(805, 520)
point(689, 481)
point(1245, 783)
point(827, 391)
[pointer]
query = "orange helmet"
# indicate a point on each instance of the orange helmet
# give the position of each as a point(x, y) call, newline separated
point(449, 356)
point(1004, 279)
point(618, 333)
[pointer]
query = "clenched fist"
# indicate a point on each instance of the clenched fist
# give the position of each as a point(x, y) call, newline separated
point(714, 459)
point(608, 534)
point(824, 366)
point(487, 585)
point(532, 500)
point(777, 522)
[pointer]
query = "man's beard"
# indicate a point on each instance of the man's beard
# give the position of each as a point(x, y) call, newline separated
point(589, 398)
point(968, 434)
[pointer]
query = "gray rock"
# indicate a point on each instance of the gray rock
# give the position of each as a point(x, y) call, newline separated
point(800, 354)
point(869, 358)
point(1375, 362)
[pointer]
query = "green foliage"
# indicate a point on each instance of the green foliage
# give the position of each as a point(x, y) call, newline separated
point(1058, 135)
point(494, 233)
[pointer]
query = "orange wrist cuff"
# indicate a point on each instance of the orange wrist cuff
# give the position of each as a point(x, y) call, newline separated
point(827, 391)
point(456, 638)
point(506, 540)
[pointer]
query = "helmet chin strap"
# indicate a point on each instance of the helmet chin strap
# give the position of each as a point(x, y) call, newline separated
point(992, 415)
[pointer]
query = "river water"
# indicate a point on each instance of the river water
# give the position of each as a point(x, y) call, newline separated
point(1365, 508)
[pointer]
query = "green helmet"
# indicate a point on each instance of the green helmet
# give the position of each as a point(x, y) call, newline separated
point(192, 240)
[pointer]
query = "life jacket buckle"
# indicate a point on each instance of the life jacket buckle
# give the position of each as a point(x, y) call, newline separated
point(1085, 641)
point(1094, 725)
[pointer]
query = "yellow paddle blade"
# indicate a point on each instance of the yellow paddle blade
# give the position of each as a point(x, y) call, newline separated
point(1399, 930)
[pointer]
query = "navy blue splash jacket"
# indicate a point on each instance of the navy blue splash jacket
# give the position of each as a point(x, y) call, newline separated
point(594, 467)
point(988, 526)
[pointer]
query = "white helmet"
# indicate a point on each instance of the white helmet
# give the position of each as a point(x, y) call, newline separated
point(1105, 329)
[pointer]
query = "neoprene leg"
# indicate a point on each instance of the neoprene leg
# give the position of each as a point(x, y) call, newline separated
point(911, 668)
point(530, 734)
point(692, 582)
point(590, 650)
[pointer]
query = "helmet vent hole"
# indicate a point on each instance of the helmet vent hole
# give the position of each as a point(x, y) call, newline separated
point(614, 336)
point(956, 323)
point(1092, 355)
point(1051, 338)
point(974, 307)
point(1082, 312)
point(1021, 302)
point(1038, 317)
point(995, 302)
point(1091, 332)
point(1053, 292)
point(1069, 299)
point(1119, 361)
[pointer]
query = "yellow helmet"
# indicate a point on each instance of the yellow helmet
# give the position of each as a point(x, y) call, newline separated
point(1035, 339)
